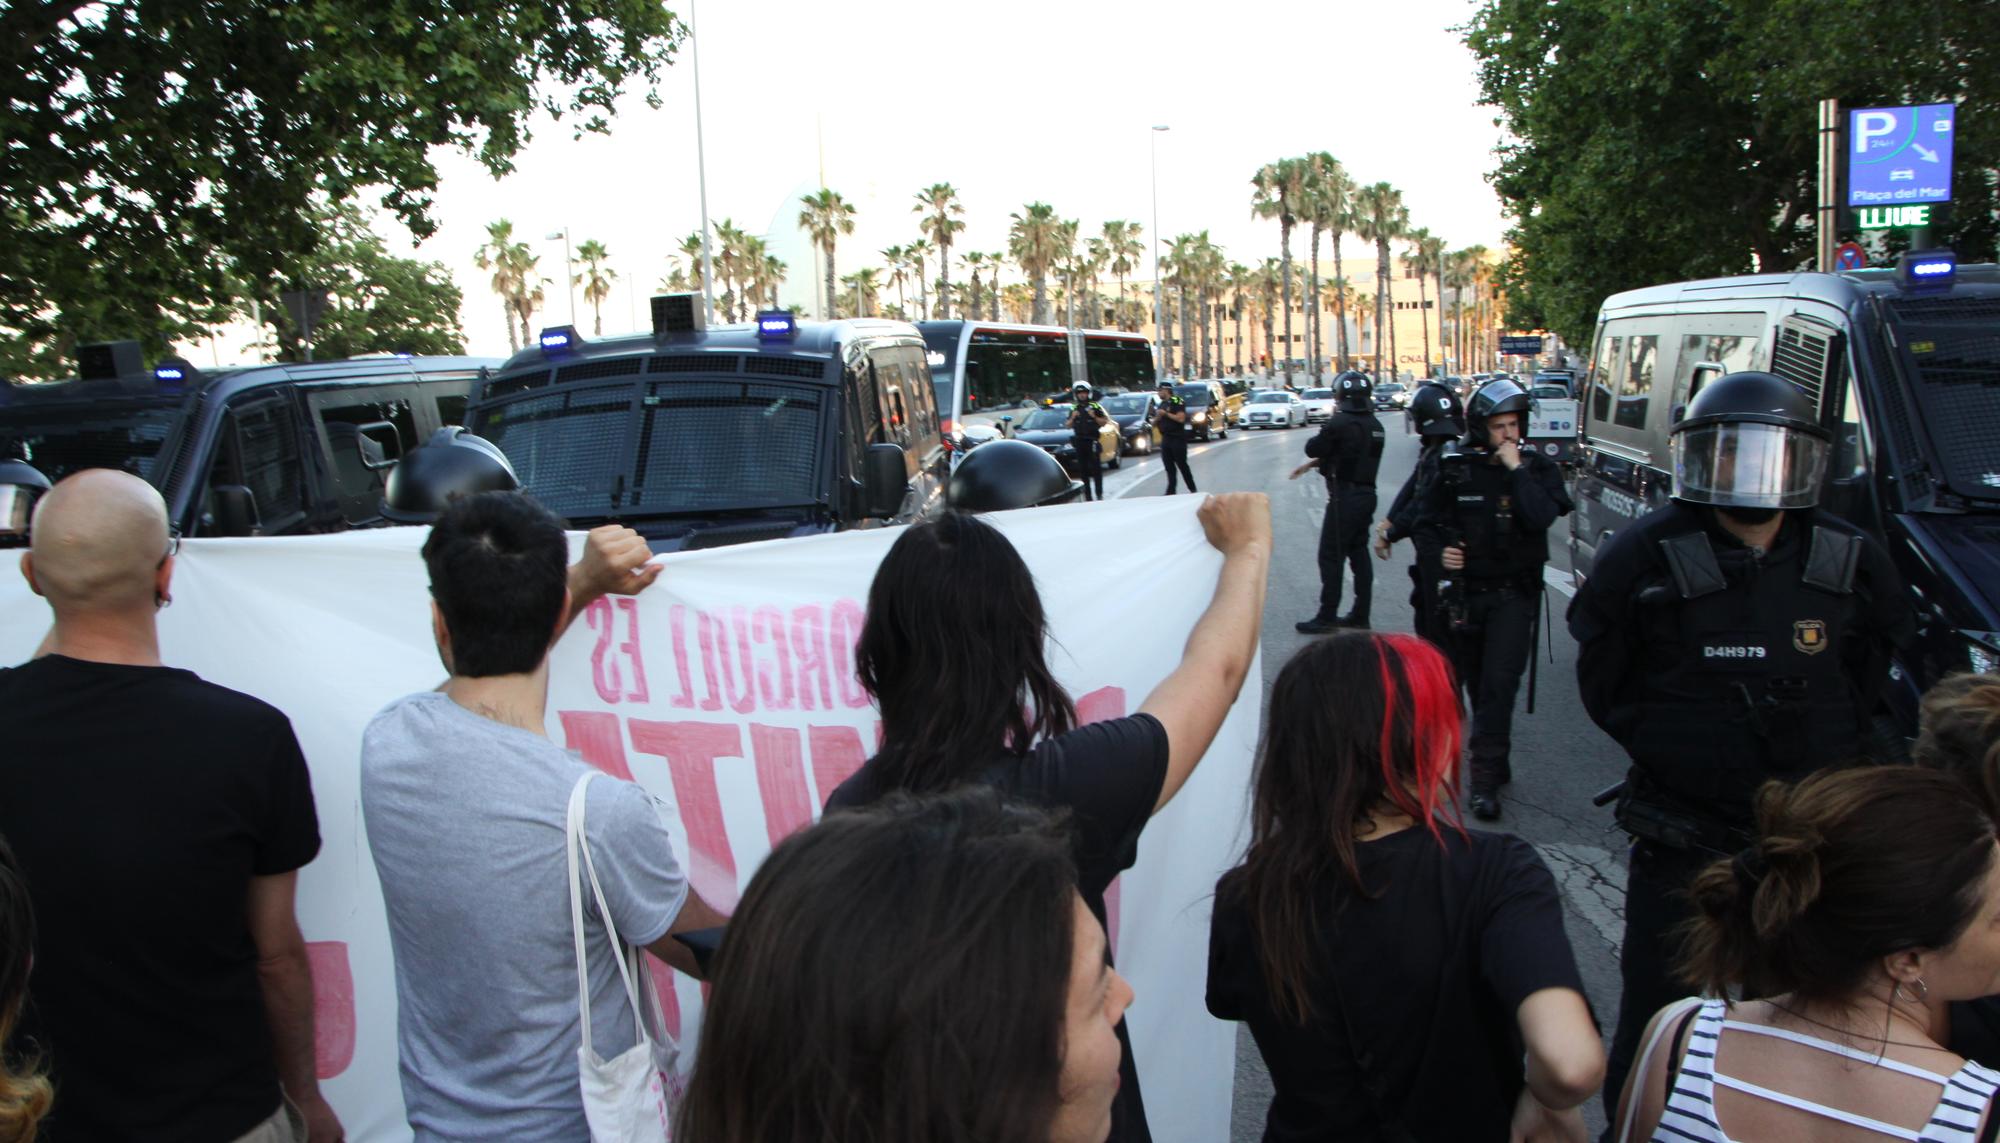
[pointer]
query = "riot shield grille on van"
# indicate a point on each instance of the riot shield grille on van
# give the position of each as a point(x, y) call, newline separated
point(1952, 347)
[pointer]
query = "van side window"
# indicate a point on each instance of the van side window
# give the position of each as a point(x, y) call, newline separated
point(1604, 376)
point(451, 408)
point(1635, 388)
point(260, 450)
point(363, 439)
point(923, 413)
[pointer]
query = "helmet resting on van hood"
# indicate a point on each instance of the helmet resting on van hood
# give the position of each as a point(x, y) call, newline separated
point(453, 463)
point(1005, 474)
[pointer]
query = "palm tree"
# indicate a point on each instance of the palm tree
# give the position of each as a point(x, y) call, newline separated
point(1121, 241)
point(1328, 206)
point(1426, 257)
point(995, 259)
point(1334, 295)
point(1241, 279)
point(1020, 300)
point(1381, 218)
point(1210, 268)
point(1277, 188)
point(690, 248)
point(825, 218)
point(1270, 281)
point(898, 258)
point(938, 203)
point(863, 286)
point(1434, 253)
point(528, 295)
point(596, 280)
point(774, 276)
point(920, 253)
point(1033, 242)
point(974, 262)
point(1363, 308)
point(502, 255)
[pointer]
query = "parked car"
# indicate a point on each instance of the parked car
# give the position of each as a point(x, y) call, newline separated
point(1134, 414)
point(1209, 413)
point(1550, 378)
point(1273, 409)
point(1319, 404)
point(1049, 429)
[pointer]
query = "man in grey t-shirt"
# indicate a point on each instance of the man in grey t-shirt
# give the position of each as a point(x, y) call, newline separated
point(465, 801)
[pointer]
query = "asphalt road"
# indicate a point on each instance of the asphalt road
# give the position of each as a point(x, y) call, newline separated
point(1560, 757)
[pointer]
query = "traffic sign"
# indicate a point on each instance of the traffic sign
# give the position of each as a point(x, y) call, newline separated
point(1850, 256)
point(1897, 156)
point(1520, 346)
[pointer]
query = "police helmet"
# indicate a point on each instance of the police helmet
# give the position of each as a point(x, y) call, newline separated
point(1082, 387)
point(1005, 474)
point(1749, 440)
point(1496, 398)
point(1353, 393)
point(21, 484)
point(453, 463)
point(1436, 410)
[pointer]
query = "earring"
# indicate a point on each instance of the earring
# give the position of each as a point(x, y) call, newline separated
point(1923, 991)
point(162, 601)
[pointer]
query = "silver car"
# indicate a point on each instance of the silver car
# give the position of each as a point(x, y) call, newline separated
point(1273, 409)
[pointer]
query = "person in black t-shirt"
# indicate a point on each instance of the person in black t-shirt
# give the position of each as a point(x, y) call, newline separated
point(160, 822)
point(1394, 969)
point(24, 1092)
point(1173, 425)
point(1086, 420)
point(953, 653)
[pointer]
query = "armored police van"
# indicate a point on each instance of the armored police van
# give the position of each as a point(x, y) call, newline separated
point(1904, 368)
point(699, 437)
point(262, 450)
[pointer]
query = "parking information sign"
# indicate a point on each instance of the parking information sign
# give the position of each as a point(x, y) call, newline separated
point(1520, 346)
point(1899, 155)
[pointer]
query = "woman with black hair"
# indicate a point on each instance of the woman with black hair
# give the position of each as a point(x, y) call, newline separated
point(24, 1092)
point(917, 971)
point(953, 653)
point(1404, 979)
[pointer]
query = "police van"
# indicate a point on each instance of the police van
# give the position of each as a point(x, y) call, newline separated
point(699, 437)
point(1904, 369)
point(260, 450)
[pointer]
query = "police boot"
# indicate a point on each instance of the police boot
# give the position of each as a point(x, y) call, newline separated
point(1355, 620)
point(1486, 782)
point(1317, 625)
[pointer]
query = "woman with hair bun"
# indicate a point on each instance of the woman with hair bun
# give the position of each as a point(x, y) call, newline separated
point(24, 1091)
point(1958, 732)
point(1868, 904)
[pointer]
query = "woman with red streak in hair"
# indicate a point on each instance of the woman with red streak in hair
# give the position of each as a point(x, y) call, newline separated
point(1405, 979)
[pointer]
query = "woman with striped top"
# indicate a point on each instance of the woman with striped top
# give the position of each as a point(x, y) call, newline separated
point(1869, 903)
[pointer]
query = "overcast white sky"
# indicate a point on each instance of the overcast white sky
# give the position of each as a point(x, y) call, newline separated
point(1036, 99)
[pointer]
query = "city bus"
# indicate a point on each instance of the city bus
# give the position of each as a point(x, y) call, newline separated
point(983, 371)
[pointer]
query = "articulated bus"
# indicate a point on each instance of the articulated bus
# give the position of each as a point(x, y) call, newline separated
point(983, 371)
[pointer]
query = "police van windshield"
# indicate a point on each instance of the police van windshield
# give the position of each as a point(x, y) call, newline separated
point(60, 441)
point(1195, 396)
point(643, 446)
point(1951, 348)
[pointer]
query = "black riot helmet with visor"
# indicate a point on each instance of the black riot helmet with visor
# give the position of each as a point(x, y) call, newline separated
point(1353, 393)
point(1002, 475)
point(453, 463)
point(1749, 440)
point(1496, 398)
point(21, 484)
point(1436, 410)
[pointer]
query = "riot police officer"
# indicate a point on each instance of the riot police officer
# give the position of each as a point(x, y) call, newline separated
point(1482, 524)
point(1086, 417)
point(1173, 425)
point(1440, 421)
point(1347, 451)
point(1735, 635)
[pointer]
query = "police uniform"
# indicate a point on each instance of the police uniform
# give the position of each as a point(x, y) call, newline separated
point(1718, 667)
point(1174, 442)
point(1083, 427)
point(1434, 412)
point(1349, 451)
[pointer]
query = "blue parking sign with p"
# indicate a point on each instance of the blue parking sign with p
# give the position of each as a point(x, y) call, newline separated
point(1899, 156)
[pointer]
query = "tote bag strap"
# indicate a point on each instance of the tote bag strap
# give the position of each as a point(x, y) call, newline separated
point(577, 840)
point(1675, 1016)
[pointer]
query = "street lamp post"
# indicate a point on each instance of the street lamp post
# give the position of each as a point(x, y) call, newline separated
point(1159, 330)
point(701, 172)
point(569, 275)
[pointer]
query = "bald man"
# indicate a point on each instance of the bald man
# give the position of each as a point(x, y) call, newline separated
point(161, 822)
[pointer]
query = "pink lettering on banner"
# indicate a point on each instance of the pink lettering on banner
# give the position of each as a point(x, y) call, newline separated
point(767, 625)
point(712, 700)
point(333, 1007)
point(603, 668)
point(742, 699)
point(809, 651)
point(846, 631)
point(598, 737)
point(691, 749)
point(630, 646)
point(677, 625)
point(836, 755)
point(781, 779)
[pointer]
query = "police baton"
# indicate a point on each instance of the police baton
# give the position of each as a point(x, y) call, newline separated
point(1534, 634)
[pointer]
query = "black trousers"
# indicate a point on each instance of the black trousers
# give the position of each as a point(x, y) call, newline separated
point(1343, 543)
point(1090, 469)
point(1490, 655)
point(1173, 454)
point(1656, 882)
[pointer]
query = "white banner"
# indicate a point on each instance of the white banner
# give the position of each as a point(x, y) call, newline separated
point(727, 690)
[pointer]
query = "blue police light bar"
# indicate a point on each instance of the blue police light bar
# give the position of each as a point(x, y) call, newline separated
point(560, 340)
point(776, 325)
point(1927, 269)
point(173, 375)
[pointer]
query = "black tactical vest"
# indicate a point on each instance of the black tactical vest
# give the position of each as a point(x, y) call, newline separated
point(1361, 448)
point(1499, 549)
point(1742, 663)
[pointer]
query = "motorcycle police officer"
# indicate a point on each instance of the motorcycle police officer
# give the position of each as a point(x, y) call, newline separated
point(1482, 525)
point(1439, 420)
point(1172, 423)
point(1086, 417)
point(1347, 451)
point(1735, 635)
